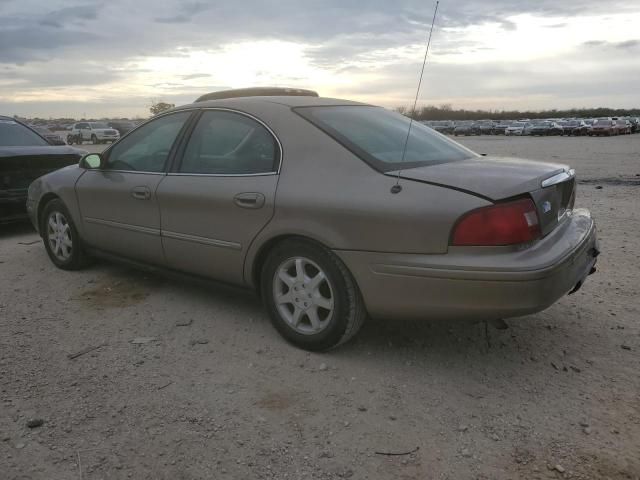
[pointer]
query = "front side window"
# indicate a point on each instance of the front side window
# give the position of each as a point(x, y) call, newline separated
point(378, 136)
point(13, 134)
point(227, 143)
point(147, 148)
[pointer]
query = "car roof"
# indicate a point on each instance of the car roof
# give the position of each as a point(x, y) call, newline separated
point(264, 101)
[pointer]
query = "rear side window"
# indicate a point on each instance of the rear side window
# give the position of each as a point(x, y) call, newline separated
point(13, 134)
point(378, 136)
point(227, 143)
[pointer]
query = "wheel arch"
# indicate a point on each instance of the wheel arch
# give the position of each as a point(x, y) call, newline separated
point(42, 204)
point(258, 260)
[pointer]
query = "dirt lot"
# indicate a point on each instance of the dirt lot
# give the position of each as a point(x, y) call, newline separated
point(191, 382)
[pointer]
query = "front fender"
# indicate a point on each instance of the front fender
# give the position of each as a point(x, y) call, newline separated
point(58, 184)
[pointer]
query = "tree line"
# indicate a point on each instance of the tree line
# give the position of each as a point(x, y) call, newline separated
point(447, 112)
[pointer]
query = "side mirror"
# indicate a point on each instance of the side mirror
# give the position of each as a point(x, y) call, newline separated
point(93, 161)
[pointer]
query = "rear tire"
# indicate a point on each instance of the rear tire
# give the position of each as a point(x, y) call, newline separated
point(61, 238)
point(311, 297)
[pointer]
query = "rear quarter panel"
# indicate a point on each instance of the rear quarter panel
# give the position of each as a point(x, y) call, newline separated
point(328, 194)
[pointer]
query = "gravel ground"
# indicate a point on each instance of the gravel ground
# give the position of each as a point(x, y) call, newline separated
point(190, 382)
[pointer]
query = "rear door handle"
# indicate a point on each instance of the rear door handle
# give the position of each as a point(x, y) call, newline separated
point(249, 200)
point(141, 193)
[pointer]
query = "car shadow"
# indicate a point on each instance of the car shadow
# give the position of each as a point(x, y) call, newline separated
point(16, 229)
point(462, 346)
point(529, 346)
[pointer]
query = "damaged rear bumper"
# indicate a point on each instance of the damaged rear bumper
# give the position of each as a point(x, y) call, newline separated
point(478, 283)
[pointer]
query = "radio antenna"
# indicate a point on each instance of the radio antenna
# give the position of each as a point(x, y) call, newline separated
point(397, 188)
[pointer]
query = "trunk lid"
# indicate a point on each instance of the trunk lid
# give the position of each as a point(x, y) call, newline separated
point(496, 179)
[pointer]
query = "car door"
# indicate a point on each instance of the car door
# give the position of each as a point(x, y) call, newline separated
point(219, 194)
point(118, 202)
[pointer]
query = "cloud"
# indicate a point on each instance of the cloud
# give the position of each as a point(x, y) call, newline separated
point(195, 75)
point(24, 44)
point(624, 45)
point(370, 51)
point(83, 12)
point(628, 45)
point(186, 12)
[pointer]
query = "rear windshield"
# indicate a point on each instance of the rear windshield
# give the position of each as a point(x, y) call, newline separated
point(378, 136)
point(12, 134)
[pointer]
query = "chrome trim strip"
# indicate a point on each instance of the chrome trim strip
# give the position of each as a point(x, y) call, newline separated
point(156, 232)
point(124, 226)
point(176, 174)
point(202, 240)
point(141, 172)
point(559, 178)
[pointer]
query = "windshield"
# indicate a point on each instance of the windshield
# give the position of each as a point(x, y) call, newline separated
point(12, 134)
point(378, 137)
point(99, 125)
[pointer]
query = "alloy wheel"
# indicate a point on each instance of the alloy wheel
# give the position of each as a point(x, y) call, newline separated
point(303, 295)
point(59, 236)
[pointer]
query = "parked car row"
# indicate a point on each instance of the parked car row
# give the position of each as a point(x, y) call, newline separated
point(575, 126)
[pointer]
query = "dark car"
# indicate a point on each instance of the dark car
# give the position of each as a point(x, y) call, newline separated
point(443, 126)
point(500, 128)
point(466, 128)
point(546, 128)
point(574, 127)
point(485, 127)
point(623, 126)
point(122, 127)
point(602, 127)
point(25, 156)
point(51, 137)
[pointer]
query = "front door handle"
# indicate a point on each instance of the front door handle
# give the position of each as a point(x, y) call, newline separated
point(141, 193)
point(249, 200)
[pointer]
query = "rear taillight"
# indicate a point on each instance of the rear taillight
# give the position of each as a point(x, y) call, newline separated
point(501, 224)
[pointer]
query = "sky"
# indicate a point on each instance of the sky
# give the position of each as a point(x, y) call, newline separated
point(114, 58)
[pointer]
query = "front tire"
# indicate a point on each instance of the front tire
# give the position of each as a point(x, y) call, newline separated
point(61, 238)
point(311, 297)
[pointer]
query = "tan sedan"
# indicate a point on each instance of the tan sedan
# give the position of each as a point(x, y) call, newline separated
point(316, 204)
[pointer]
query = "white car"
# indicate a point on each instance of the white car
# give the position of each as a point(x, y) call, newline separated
point(96, 132)
point(517, 128)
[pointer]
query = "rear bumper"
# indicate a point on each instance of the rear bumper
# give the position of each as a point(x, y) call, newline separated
point(478, 283)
